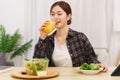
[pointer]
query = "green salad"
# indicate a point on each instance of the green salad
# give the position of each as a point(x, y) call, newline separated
point(30, 68)
point(41, 64)
point(91, 66)
point(38, 64)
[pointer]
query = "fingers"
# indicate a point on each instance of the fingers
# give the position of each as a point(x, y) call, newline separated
point(45, 23)
point(41, 30)
point(43, 26)
point(105, 68)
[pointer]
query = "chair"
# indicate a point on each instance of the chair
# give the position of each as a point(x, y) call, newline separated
point(3, 61)
point(102, 54)
point(117, 59)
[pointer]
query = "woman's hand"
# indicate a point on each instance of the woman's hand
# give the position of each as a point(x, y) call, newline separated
point(105, 68)
point(43, 34)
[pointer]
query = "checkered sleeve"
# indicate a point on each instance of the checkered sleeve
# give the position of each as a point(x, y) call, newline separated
point(89, 51)
point(40, 49)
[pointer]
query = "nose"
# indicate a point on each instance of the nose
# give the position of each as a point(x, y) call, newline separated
point(55, 17)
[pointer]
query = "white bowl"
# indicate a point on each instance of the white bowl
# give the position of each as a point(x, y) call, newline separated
point(88, 71)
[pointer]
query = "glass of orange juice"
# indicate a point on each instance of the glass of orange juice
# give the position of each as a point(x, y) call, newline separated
point(50, 27)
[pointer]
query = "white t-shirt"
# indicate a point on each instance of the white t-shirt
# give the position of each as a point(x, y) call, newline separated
point(61, 56)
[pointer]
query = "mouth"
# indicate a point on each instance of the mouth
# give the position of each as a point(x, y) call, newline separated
point(57, 22)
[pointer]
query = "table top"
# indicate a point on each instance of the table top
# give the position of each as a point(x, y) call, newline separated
point(66, 73)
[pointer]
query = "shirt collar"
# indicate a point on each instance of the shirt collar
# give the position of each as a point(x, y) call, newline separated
point(71, 33)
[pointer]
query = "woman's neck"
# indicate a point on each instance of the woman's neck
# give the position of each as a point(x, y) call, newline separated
point(61, 35)
point(62, 32)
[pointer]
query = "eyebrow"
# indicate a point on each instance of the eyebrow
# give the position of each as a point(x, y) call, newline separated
point(57, 11)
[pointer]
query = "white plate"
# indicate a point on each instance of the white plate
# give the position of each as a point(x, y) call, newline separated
point(88, 71)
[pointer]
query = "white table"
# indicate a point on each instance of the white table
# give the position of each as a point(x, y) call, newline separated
point(66, 74)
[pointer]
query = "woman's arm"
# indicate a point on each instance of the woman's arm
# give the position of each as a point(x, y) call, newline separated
point(40, 49)
point(89, 51)
point(90, 54)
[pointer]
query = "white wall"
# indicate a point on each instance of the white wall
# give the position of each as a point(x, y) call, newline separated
point(12, 16)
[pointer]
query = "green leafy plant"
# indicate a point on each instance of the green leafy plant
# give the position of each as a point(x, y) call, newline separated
point(12, 43)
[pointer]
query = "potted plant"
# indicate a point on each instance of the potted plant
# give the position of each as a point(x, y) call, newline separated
point(11, 44)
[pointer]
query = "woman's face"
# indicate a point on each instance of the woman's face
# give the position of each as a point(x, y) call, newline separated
point(60, 16)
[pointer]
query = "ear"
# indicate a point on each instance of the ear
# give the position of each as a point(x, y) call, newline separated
point(69, 17)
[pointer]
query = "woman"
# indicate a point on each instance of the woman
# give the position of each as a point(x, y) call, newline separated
point(65, 47)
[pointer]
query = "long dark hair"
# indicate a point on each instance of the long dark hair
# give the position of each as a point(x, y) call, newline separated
point(65, 6)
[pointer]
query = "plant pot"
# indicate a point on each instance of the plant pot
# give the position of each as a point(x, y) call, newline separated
point(2, 59)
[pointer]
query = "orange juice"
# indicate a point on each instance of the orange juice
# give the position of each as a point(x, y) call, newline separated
point(50, 27)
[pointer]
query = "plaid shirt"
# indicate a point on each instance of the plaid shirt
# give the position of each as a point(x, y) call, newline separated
point(78, 46)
